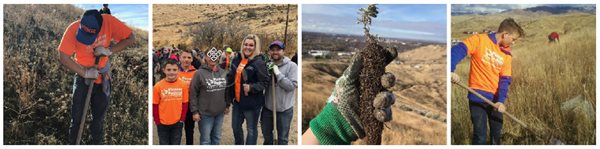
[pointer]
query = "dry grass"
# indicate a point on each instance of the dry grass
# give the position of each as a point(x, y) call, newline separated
point(172, 24)
point(420, 110)
point(544, 76)
point(38, 89)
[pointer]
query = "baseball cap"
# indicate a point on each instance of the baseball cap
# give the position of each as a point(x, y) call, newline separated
point(277, 43)
point(89, 27)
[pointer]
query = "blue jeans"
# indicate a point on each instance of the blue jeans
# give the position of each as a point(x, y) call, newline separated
point(98, 104)
point(284, 119)
point(169, 134)
point(237, 118)
point(210, 129)
point(480, 113)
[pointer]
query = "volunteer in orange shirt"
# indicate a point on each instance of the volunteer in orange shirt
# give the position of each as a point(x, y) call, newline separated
point(169, 105)
point(82, 41)
point(490, 75)
point(186, 72)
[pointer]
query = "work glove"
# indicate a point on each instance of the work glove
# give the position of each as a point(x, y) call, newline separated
point(91, 73)
point(273, 68)
point(101, 51)
point(500, 107)
point(339, 121)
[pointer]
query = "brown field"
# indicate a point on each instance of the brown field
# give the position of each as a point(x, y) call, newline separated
point(38, 89)
point(545, 76)
point(173, 24)
point(420, 109)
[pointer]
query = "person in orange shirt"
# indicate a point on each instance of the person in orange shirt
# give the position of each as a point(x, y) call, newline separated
point(82, 42)
point(169, 105)
point(490, 75)
point(186, 72)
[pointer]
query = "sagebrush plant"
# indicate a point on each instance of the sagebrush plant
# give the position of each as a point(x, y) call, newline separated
point(38, 89)
point(544, 76)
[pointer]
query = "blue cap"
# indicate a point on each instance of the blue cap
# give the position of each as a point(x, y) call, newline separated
point(277, 43)
point(89, 27)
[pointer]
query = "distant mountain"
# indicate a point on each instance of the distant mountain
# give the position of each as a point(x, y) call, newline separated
point(558, 9)
point(553, 9)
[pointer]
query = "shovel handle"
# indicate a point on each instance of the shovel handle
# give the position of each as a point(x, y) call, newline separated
point(491, 103)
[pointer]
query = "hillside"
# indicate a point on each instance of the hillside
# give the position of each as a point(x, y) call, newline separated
point(545, 77)
point(419, 114)
point(38, 89)
point(173, 24)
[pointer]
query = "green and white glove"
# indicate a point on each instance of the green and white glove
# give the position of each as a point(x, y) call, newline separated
point(339, 122)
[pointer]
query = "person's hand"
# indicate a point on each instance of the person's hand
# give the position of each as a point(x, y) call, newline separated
point(196, 117)
point(246, 89)
point(339, 122)
point(91, 73)
point(273, 68)
point(102, 51)
point(226, 110)
point(454, 78)
point(500, 107)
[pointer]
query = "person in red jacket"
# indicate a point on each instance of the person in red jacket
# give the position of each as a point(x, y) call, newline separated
point(170, 105)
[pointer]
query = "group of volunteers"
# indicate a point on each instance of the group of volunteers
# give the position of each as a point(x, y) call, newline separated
point(223, 82)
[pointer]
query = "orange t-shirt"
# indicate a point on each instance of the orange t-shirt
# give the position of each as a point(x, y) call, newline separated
point(170, 96)
point(112, 28)
point(489, 61)
point(238, 78)
point(186, 76)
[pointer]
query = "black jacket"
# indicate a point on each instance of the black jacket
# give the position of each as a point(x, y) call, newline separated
point(258, 78)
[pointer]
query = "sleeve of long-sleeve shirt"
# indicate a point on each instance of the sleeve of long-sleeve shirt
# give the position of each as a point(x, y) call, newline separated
point(193, 92)
point(289, 82)
point(461, 50)
point(505, 79)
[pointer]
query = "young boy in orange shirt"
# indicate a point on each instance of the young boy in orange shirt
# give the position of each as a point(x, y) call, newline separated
point(186, 72)
point(490, 75)
point(169, 105)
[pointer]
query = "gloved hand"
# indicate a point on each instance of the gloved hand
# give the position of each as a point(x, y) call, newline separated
point(273, 68)
point(339, 122)
point(91, 73)
point(101, 51)
point(454, 78)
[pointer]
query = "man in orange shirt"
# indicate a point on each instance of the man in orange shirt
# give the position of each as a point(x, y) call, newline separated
point(82, 42)
point(490, 75)
point(169, 105)
point(186, 72)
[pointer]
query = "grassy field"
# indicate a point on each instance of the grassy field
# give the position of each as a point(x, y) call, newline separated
point(419, 114)
point(38, 89)
point(545, 76)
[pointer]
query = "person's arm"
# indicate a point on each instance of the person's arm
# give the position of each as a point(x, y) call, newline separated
point(155, 101)
point(263, 78)
point(309, 138)
point(505, 79)
point(71, 65)
point(194, 90)
point(123, 44)
point(184, 105)
point(288, 83)
point(461, 50)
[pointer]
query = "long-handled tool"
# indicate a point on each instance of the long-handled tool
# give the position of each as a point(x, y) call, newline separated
point(492, 104)
point(274, 99)
point(87, 103)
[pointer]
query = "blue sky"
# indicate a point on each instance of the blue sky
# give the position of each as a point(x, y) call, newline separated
point(131, 14)
point(406, 21)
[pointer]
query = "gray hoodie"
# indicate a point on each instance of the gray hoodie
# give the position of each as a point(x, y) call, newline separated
point(287, 82)
point(207, 91)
